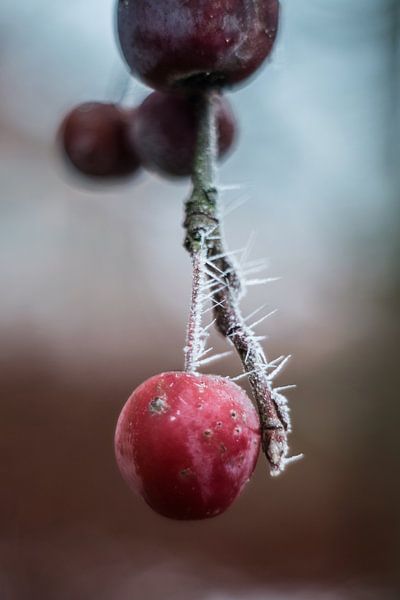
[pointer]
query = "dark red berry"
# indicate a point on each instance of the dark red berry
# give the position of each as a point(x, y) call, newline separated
point(94, 139)
point(164, 132)
point(181, 44)
point(187, 443)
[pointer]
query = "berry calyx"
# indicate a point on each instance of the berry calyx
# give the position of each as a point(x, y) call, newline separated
point(165, 129)
point(187, 44)
point(187, 443)
point(94, 138)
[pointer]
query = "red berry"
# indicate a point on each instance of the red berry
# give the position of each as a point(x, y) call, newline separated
point(94, 139)
point(173, 44)
point(165, 128)
point(187, 443)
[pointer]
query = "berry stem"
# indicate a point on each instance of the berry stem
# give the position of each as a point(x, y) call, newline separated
point(194, 341)
point(203, 206)
point(204, 241)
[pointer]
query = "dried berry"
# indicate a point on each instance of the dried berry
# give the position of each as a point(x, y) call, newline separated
point(186, 44)
point(94, 138)
point(165, 129)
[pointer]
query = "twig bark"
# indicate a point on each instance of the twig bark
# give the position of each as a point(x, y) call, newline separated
point(204, 238)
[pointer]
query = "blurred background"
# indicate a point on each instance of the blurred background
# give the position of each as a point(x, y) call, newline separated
point(94, 297)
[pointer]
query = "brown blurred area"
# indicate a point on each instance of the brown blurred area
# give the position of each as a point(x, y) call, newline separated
point(94, 296)
point(71, 529)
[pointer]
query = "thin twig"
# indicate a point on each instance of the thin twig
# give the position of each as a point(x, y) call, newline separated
point(194, 343)
point(203, 231)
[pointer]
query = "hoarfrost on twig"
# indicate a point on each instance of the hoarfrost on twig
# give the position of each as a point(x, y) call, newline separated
point(225, 287)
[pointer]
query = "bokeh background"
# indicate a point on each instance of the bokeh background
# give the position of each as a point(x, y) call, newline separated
point(94, 297)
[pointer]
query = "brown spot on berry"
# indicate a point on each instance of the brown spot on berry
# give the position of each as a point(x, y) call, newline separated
point(158, 406)
point(207, 433)
point(185, 472)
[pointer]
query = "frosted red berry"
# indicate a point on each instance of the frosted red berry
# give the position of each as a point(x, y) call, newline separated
point(94, 138)
point(187, 443)
point(165, 129)
point(186, 44)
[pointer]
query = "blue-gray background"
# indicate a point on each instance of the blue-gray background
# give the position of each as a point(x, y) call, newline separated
point(94, 296)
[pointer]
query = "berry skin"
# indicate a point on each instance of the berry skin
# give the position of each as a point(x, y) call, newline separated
point(187, 443)
point(165, 127)
point(94, 138)
point(186, 44)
